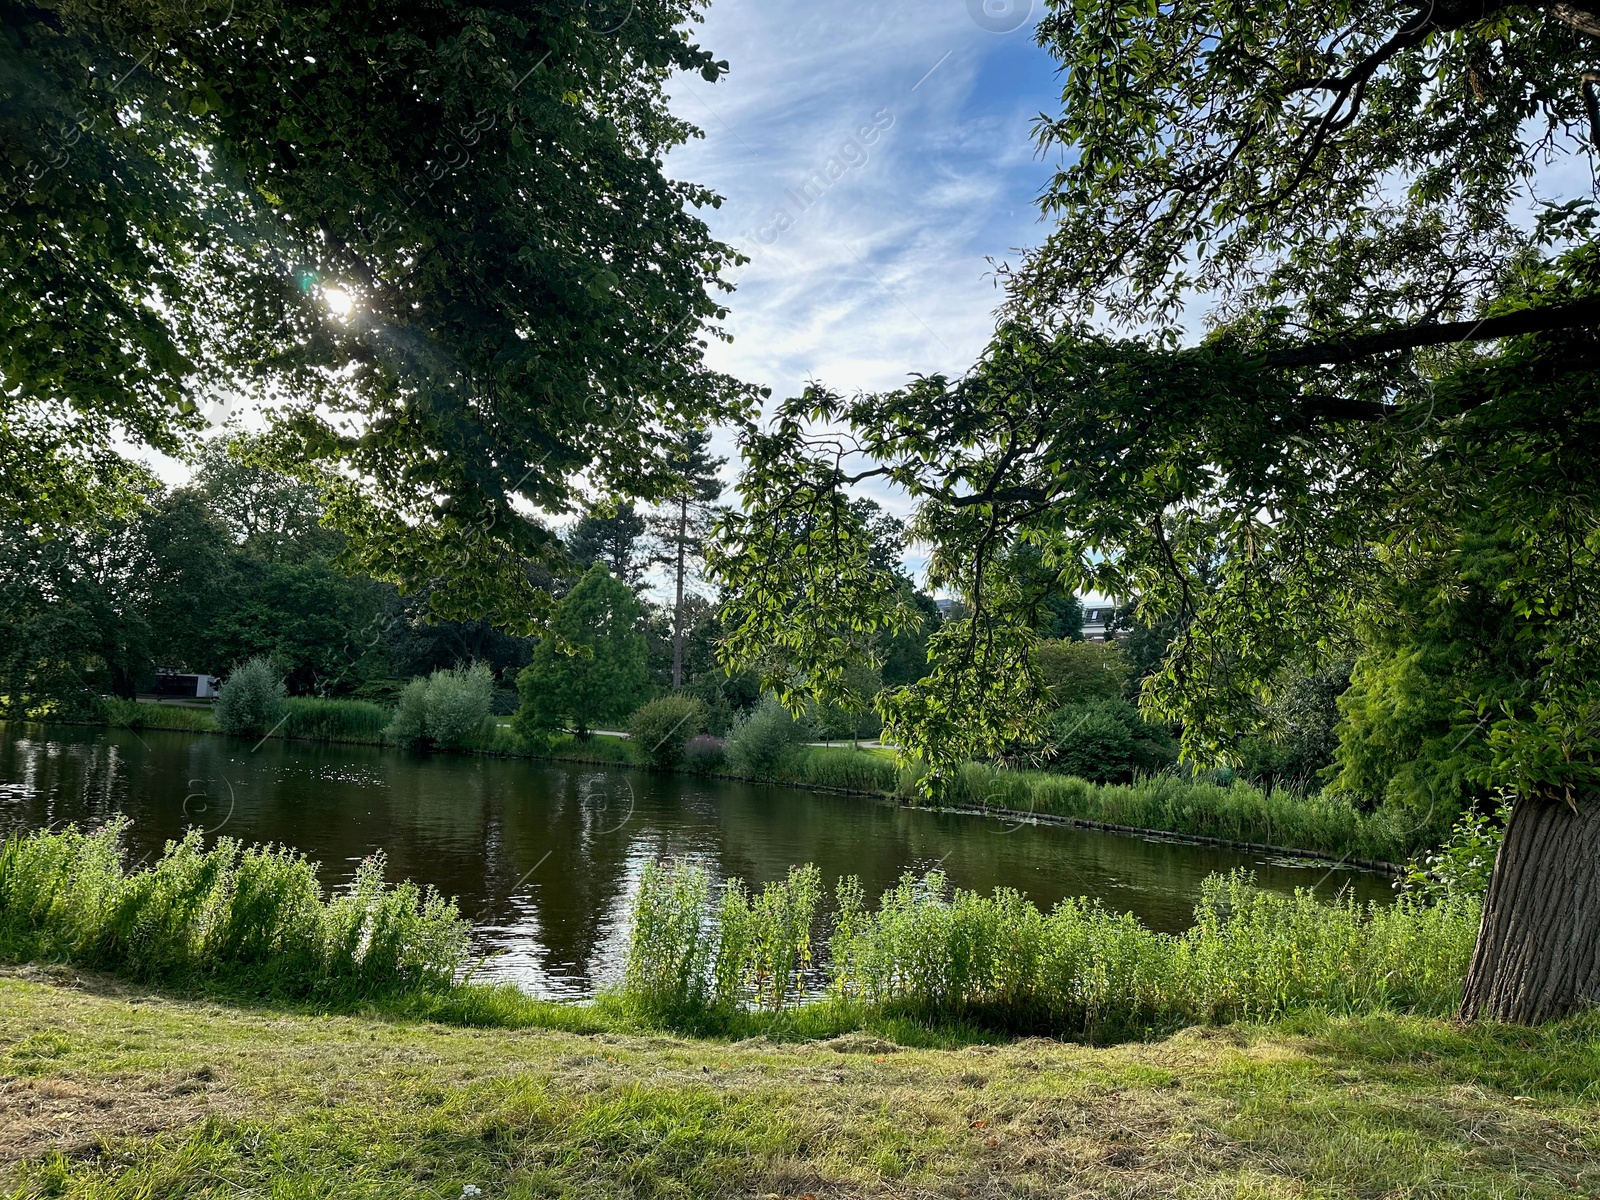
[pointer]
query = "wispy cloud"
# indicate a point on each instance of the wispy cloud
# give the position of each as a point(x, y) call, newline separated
point(871, 157)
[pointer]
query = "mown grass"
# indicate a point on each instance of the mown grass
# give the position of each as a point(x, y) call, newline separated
point(117, 1095)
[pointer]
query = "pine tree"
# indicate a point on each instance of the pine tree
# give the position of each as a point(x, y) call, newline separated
point(682, 525)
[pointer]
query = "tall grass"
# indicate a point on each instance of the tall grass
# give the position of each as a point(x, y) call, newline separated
point(1237, 812)
point(846, 769)
point(252, 917)
point(135, 714)
point(937, 954)
point(334, 720)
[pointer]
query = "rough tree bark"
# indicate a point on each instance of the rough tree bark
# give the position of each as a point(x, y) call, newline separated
point(1538, 952)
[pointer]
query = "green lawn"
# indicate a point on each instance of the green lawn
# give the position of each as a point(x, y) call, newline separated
point(112, 1092)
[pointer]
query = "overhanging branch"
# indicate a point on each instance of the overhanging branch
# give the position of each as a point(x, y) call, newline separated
point(1577, 314)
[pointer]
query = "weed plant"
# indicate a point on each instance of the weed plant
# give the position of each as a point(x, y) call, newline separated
point(253, 917)
point(764, 941)
point(941, 956)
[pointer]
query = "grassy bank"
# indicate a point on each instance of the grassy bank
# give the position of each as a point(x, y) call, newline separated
point(1238, 812)
point(114, 1092)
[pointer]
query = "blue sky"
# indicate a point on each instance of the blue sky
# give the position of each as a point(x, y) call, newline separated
point(877, 268)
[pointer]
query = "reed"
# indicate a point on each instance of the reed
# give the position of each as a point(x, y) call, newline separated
point(1179, 804)
point(135, 714)
point(311, 719)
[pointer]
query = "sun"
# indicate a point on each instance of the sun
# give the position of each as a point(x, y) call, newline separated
point(340, 302)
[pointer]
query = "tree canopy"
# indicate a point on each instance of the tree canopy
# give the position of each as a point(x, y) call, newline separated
point(196, 191)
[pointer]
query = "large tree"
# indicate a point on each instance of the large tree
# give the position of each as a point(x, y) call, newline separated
point(444, 232)
point(1397, 392)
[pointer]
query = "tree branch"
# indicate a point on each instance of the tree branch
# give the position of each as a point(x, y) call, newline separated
point(1576, 314)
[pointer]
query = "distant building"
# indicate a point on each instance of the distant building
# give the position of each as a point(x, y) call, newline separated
point(178, 685)
point(1099, 619)
point(1099, 616)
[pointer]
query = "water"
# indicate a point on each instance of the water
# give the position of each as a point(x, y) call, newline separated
point(544, 857)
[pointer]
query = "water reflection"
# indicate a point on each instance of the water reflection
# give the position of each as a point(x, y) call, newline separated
point(544, 857)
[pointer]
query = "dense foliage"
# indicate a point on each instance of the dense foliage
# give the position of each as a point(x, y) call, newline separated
point(662, 730)
point(250, 702)
point(447, 710)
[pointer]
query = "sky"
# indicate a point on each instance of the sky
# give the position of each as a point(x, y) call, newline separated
point(873, 158)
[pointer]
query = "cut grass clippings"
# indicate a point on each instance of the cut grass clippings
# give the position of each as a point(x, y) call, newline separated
point(207, 1100)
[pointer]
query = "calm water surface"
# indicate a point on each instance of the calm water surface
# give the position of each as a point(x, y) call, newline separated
point(544, 857)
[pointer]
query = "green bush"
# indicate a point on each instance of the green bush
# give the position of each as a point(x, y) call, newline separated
point(1107, 741)
point(251, 916)
point(937, 954)
point(250, 702)
point(447, 710)
point(763, 745)
point(1463, 864)
point(334, 720)
point(662, 729)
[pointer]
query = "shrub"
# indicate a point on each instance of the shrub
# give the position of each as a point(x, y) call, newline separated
point(1107, 742)
point(763, 744)
point(251, 702)
point(334, 720)
point(1461, 867)
point(445, 710)
point(247, 915)
point(662, 729)
point(705, 755)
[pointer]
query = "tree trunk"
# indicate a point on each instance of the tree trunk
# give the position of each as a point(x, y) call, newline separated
point(1538, 952)
point(677, 610)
